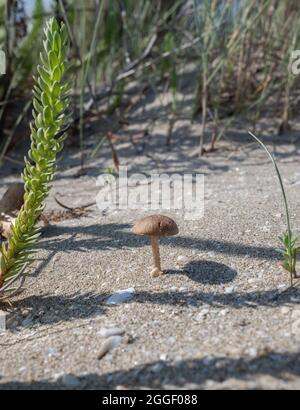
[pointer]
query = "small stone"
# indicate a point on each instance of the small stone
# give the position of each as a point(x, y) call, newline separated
point(120, 297)
point(109, 344)
point(211, 254)
point(233, 351)
point(111, 331)
point(121, 387)
point(163, 357)
point(210, 384)
point(52, 352)
point(70, 381)
point(182, 259)
point(224, 312)
point(183, 289)
point(191, 386)
point(285, 310)
point(25, 312)
point(252, 352)
point(229, 289)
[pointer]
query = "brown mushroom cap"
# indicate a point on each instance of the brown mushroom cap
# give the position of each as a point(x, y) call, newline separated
point(156, 225)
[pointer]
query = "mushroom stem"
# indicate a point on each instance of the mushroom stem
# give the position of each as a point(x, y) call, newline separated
point(155, 251)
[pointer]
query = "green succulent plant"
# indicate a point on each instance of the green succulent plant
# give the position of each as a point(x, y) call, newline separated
point(50, 103)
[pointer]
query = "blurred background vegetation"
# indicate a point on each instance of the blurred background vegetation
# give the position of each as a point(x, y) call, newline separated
point(239, 49)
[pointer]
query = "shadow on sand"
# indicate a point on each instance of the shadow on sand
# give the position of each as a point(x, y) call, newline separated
point(156, 375)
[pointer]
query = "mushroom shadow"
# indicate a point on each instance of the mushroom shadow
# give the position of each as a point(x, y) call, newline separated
point(207, 272)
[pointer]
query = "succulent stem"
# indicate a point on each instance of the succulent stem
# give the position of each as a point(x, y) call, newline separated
point(50, 103)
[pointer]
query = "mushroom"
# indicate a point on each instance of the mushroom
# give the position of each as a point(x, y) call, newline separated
point(155, 226)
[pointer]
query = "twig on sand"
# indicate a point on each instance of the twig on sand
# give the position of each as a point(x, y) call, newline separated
point(114, 154)
point(76, 208)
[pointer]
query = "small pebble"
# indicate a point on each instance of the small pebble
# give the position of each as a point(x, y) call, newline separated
point(109, 344)
point(121, 387)
point(182, 259)
point(285, 310)
point(183, 289)
point(229, 289)
point(110, 331)
point(52, 352)
point(210, 384)
point(25, 312)
point(211, 254)
point(252, 352)
point(120, 297)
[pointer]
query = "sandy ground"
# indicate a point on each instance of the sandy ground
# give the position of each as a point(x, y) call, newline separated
point(223, 315)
